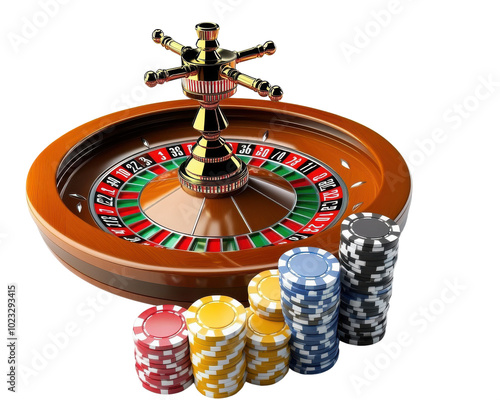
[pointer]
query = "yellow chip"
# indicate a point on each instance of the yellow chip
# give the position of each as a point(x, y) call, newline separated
point(266, 369)
point(267, 364)
point(264, 376)
point(273, 360)
point(267, 354)
point(264, 333)
point(221, 375)
point(221, 343)
point(215, 318)
point(265, 382)
point(219, 393)
point(278, 316)
point(264, 291)
point(211, 384)
point(217, 354)
point(214, 364)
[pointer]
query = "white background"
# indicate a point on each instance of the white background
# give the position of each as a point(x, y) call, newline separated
point(407, 80)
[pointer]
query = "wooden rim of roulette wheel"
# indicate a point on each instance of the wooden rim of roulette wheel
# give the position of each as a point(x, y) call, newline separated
point(61, 183)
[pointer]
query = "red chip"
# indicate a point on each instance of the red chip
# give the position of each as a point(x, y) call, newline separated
point(161, 327)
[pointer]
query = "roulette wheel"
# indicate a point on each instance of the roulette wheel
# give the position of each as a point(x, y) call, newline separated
point(149, 204)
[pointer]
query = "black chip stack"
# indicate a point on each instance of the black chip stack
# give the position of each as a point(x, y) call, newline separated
point(368, 252)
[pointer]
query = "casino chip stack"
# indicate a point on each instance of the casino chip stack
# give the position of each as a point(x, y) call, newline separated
point(217, 334)
point(267, 351)
point(310, 291)
point(162, 350)
point(368, 252)
point(264, 295)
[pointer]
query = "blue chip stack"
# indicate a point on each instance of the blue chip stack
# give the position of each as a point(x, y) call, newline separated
point(310, 296)
point(368, 253)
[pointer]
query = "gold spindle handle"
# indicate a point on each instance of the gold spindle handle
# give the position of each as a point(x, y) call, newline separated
point(167, 42)
point(263, 88)
point(254, 52)
point(161, 76)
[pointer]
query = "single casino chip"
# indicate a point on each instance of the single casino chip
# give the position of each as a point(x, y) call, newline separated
point(217, 354)
point(161, 328)
point(265, 376)
point(266, 382)
point(227, 392)
point(368, 265)
point(201, 361)
point(298, 346)
point(307, 296)
point(298, 290)
point(366, 303)
point(167, 364)
point(312, 329)
point(264, 291)
point(208, 346)
point(209, 360)
point(232, 376)
point(355, 252)
point(351, 295)
point(161, 353)
point(370, 230)
point(310, 353)
point(309, 268)
point(315, 358)
point(274, 316)
point(220, 384)
point(311, 370)
point(267, 361)
point(305, 309)
point(165, 383)
point(216, 318)
point(265, 333)
point(223, 376)
point(172, 390)
point(164, 369)
point(364, 334)
point(164, 359)
point(267, 354)
point(309, 338)
point(291, 298)
point(361, 274)
point(267, 368)
point(306, 320)
point(220, 370)
point(221, 343)
point(163, 376)
point(360, 341)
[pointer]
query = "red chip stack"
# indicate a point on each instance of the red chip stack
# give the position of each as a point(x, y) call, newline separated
point(162, 350)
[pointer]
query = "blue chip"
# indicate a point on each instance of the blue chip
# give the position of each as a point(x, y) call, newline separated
point(315, 302)
point(309, 295)
point(309, 310)
point(311, 338)
point(298, 344)
point(309, 268)
point(312, 359)
point(306, 292)
point(324, 329)
point(307, 353)
point(309, 323)
point(310, 370)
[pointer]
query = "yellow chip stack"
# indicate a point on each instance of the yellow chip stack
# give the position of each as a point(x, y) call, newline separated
point(264, 294)
point(266, 350)
point(217, 336)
